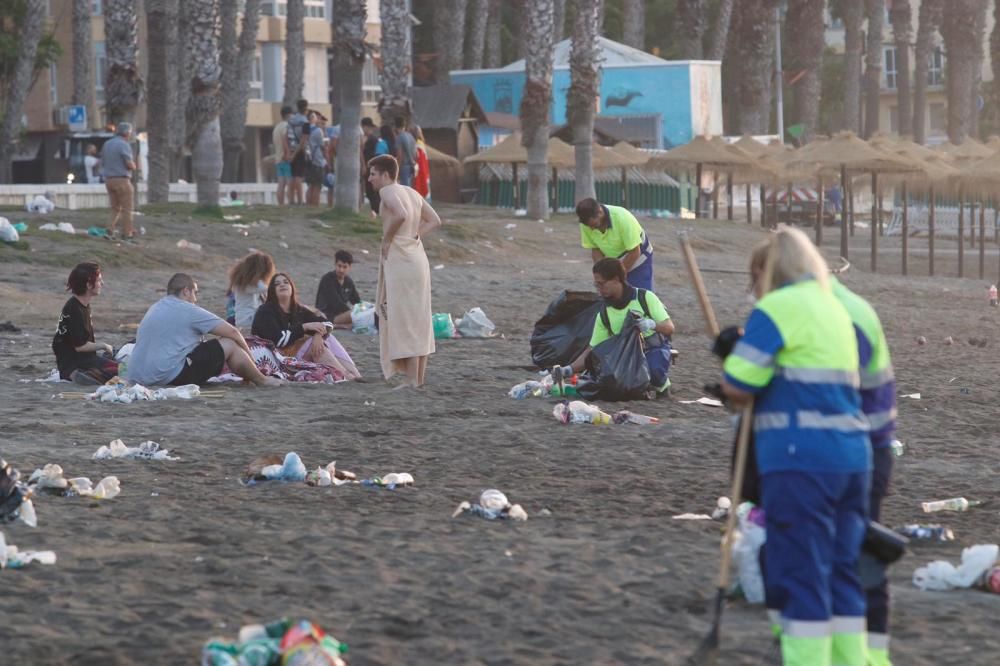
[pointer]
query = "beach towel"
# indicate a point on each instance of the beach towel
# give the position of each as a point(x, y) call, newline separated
point(403, 301)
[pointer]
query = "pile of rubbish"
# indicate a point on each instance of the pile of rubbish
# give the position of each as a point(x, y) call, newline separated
point(979, 568)
point(13, 558)
point(281, 643)
point(50, 479)
point(545, 386)
point(290, 468)
point(124, 394)
point(492, 505)
point(148, 450)
point(473, 324)
point(15, 497)
point(578, 411)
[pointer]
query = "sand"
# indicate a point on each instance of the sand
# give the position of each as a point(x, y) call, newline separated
point(602, 576)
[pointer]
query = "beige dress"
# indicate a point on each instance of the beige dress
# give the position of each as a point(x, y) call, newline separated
point(403, 301)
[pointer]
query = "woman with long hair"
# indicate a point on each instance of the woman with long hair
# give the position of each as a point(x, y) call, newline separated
point(78, 357)
point(297, 330)
point(248, 280)
point(422, 179)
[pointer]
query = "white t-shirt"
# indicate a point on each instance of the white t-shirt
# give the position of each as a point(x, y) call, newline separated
point(90, 166)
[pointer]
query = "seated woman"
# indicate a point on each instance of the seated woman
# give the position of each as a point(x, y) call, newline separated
point(298, 331)
point(73, 343)
point(248, 280)
point(621, 298)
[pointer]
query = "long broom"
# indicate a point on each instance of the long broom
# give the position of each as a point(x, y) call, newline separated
point(707, 651)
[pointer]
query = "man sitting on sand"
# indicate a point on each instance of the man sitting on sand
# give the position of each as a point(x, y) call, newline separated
point(169, 348)
point(337, 293)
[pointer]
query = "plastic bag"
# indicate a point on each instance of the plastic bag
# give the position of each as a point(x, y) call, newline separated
point(620, 371)
point(8, 233)
point(941, 575)
point(564, 330)
point(444, 327)
point(746, 553)
point(363, 318)
point(475, 324)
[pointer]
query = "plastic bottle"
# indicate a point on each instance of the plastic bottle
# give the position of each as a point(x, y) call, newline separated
point(931, 532)
point(991, 580)
point(898, 448)
point(581, 412)
point(952, 504)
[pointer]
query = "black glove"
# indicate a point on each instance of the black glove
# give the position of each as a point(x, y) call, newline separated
point(715, 390)
point(726, 340)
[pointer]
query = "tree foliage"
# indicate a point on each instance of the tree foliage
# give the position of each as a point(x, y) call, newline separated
point(11, 20)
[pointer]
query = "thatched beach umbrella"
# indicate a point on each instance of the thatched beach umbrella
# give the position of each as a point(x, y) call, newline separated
point(622, 158)
point(700, 152)
point(510, 151)
point(966, 153)
point(981, 178)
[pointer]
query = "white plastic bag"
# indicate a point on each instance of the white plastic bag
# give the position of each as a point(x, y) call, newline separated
point(475, 324)
point(8, 233)
point(941, 575)
point(746, 553)
point(363, 318)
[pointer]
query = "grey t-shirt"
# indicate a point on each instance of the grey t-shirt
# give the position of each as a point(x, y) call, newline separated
point(171, 329)
point(316, 153)
point(115, 154)
point(408, 147)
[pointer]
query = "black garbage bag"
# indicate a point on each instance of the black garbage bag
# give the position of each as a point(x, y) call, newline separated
point(11, 492)
point(617, 367)
point(565, 329)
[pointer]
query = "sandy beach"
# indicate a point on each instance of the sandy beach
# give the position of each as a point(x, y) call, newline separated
point(602, 576)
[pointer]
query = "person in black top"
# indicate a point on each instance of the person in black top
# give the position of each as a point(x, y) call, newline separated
point(73, 343)
point(296, 330)
point(368, 150)
point(337, 293)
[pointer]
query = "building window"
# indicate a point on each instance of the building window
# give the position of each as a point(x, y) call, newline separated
point(100, 71)
point(96, 7)
point(53, 86)
point(257, 77)
point(889, 67)
point(311, 8)
point(938, 117)
point(370, 88)
point(935, 67)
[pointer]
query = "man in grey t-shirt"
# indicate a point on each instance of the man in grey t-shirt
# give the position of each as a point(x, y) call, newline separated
point(406, 146)
point(316, 166)
point(116, 161)
point(169, 348)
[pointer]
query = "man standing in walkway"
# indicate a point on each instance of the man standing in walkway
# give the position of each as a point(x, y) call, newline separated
point(117, 163)
point(406, 146)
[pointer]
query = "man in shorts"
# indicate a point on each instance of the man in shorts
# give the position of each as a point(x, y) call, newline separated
point(297, 149)
point(169, 347)
point(315, 157)
point(282, 158)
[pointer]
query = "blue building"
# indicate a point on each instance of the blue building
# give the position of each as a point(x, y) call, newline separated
point(644, 99)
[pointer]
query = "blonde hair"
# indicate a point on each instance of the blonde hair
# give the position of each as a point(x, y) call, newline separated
point(251, 269)
point(787, 256)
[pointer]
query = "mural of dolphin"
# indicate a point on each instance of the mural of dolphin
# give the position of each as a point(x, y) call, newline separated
point(622, 97)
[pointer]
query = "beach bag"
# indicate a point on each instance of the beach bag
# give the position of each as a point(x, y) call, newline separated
point(618, 366)
point(475, 324)
point(565, 329)
point(444, 327)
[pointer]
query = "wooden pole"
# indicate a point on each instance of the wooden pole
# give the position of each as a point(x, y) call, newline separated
point(850, 187)
point(906, 231)
point(930, 235)
point(982, 239)
point(961, 233)
point(625, 187)
point(517, 187)
point(843, 212)
point(972, 224)
point(819, 214)
point(715, 195)
point(749, 205)
point(555, 190)
point(875, 222)
point(729, 196)
point(697, 191)
point(788, 205)
point(763, 205)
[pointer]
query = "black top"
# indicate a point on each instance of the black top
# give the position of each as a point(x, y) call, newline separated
point(369, 147)
point(73, 330)
point(282, 328)
point(332, 298)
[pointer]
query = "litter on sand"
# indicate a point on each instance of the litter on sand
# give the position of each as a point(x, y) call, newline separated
point(976, 562)
point(912, 396)
point(148, 450)
point(492, 505)
point(710, 402)
point(15, 497)
point(64, 227)
point(51, 479)
point(13, 558)
point(578, 411)
point(290, 468)
point(475, 324)
point(283, 642)
point(124, 394)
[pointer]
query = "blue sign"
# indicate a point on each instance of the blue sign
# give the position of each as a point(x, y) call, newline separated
point(76, 117)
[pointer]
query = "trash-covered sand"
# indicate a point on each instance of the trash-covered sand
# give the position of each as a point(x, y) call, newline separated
point(599, 574)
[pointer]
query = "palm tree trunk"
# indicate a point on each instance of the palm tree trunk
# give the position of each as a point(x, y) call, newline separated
point(161, 26)
point(853, 16)
point(295, 52)
point(559, 21)
point(449, 24)
point(901, 16)
point(873, 65)
point(396, 60)
point(804, 22)
point(690, 28)
point(476, 42)
point(494, 24)
point(237, 66)
point(977, 66)
point(536, 102)
point(181, 92)
point(83, 61)
point(957, 28)
point(720, 31)
point(995, 52)
point(929, 18)
point(123, 89)
point(349, 53)
point(30, 33)
point(205, 102)
point(633, 23)
point(750, 52)
point(583, 90)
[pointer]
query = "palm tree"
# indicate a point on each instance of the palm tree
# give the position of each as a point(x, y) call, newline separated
point(396, 59)
point(852, 13)
point(31, 28)
point(123, 88)
point(901, 17)
point(349, 54)
point(929, 20)
point(83, 61)
point(536, 102)
point(476, 39)
point(161, 26)
point(750, 54)
point(958, 28)
point(237, 66)
point(633, 23)
point(204, 104)
point(494, 24)
point(995, 55)
point(583, 90)
point(181, 92)
point(979, 33)
point(449, 26)
point(873, 65)
point(690, 28)
point(720, 31)
point(295, 52)
point(559, 21)
point(804, 24)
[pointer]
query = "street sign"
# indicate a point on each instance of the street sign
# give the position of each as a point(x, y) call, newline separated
point(76, 117)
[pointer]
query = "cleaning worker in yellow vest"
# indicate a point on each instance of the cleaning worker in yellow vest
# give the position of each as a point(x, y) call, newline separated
point(799, 357)
point(613, 232)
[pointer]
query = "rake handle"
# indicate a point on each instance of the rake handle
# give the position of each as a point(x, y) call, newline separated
point(699, 287)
